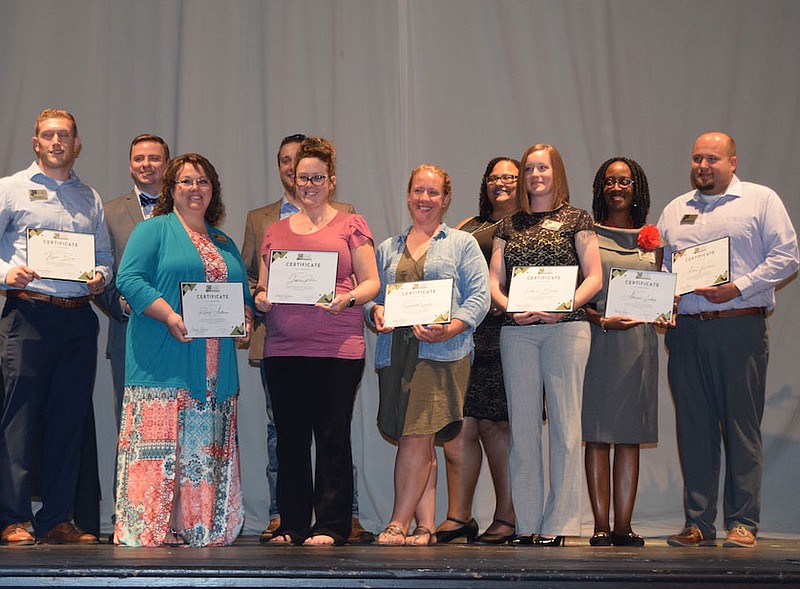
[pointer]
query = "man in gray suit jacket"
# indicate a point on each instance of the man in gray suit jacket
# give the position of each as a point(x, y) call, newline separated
point(148, 157)
point(257, 222)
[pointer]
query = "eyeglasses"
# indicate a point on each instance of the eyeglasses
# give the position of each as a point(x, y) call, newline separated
point(316, 180)
point(623, 182)
point(505, 179)
point(187, 183)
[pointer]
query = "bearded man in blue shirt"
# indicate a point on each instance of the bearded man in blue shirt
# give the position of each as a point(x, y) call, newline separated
point(719, 348)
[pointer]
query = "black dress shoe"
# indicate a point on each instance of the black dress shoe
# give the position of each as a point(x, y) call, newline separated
point(547, 541)
point(496, 537)
point(601, 538)
point(467, 530)
point(522, 540)
point(629, 539)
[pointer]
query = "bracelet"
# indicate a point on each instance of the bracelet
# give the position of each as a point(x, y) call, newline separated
point(257, 290)
point(603, 325)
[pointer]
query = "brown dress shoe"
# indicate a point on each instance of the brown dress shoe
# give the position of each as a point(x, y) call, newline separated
point(17, 535)
point(740, 537)
point(269, 533)
point(69, 533)
point(358, 535)
point(691, 536)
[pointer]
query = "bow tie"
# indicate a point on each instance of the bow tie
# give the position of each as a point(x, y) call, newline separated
point(288, 208)
point(147, 201)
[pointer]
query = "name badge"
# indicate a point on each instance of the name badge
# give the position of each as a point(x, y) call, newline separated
point(551, 225)
point(688, 219)
point(647, 256)
point(37, 194)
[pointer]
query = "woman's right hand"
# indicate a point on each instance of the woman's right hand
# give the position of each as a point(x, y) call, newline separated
point(176, 328)
point(377, 318)
point(619, 323)
point(262, 303)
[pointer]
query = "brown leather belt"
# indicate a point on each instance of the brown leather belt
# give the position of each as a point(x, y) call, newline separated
point(708, 315)
point(67, 303)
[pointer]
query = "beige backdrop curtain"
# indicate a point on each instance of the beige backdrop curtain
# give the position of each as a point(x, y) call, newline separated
point(398, 82)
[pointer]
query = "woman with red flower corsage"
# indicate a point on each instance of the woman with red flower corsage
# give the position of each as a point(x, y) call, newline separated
point(620, 392)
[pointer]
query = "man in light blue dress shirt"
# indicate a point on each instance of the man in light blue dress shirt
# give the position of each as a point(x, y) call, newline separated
point(48, 337)
point(719, 348)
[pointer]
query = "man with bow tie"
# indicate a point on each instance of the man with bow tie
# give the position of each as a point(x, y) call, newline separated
point(257, 222)
point(148, 157)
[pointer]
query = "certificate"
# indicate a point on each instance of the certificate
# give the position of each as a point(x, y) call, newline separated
point(213, 309)
point(705, 264)
point(643, 295)
point(418, 303)
point(302, 277)
point(542, 288)
point(61, 255)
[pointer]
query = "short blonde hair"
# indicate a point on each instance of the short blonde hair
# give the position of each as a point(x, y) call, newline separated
point(55, 113)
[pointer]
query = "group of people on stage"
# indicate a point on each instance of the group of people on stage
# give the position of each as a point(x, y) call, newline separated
point(485, 380)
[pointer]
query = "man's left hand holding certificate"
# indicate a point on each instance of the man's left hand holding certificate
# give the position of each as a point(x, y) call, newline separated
point(213, 309)
point(61, 255)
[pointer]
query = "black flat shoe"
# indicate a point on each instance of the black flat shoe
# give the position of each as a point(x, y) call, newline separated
point(547, 541)
point(629, 539)
point(467, 530)
point(522, 540)
point(496, 537)
point(601, 538)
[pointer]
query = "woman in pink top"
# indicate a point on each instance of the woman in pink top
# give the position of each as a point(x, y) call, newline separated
point(314, 355)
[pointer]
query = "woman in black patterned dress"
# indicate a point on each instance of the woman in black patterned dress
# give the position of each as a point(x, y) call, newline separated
point(485, 407)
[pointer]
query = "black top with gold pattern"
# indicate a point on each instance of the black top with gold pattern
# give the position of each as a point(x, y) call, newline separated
point(544, 239)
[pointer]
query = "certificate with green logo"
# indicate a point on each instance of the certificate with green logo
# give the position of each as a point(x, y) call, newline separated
point(61, 255)
point(548, 289)
point(704, 264)
point(302, 277)
point(213, 309)
point(418, 303)
point(642, 295)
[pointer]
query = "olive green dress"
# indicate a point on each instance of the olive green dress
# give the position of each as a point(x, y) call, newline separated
point(419, 397)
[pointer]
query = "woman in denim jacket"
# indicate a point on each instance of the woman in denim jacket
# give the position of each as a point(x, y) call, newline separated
point(423, 370)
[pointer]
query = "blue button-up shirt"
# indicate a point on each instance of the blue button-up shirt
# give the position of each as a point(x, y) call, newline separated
point(452, 254)
point(763, 242)
point(67, 206)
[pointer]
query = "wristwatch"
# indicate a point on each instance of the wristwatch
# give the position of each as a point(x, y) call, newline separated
point(352, 301)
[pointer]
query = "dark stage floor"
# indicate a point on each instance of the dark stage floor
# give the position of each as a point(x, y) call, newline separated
point(774, 563)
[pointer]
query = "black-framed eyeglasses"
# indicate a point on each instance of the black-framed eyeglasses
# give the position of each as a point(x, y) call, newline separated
point(504, 178)
point(187, 183)
point(623, 182)
point(316, 180)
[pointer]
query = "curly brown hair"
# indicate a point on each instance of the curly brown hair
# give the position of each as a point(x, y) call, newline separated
point(215, 213)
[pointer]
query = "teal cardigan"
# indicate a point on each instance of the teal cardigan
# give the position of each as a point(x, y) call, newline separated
point(159, 256)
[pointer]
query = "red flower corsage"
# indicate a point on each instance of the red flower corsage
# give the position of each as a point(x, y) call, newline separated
point(649, 238)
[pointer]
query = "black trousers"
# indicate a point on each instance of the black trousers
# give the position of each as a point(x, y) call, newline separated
point(314, 396)
point(48, 356)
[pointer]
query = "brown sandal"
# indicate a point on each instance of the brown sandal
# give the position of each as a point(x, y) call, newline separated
point(392, 531)
point(419, 532)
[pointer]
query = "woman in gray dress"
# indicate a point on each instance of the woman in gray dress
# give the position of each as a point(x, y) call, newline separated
point(620, 394)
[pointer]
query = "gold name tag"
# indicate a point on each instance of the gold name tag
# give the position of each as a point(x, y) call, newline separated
point(37, 194)
point(551, 225)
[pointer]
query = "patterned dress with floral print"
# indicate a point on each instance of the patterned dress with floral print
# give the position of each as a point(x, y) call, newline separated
point(166, 435)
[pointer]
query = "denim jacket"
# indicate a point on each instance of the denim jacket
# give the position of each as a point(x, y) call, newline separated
point(452, 254)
